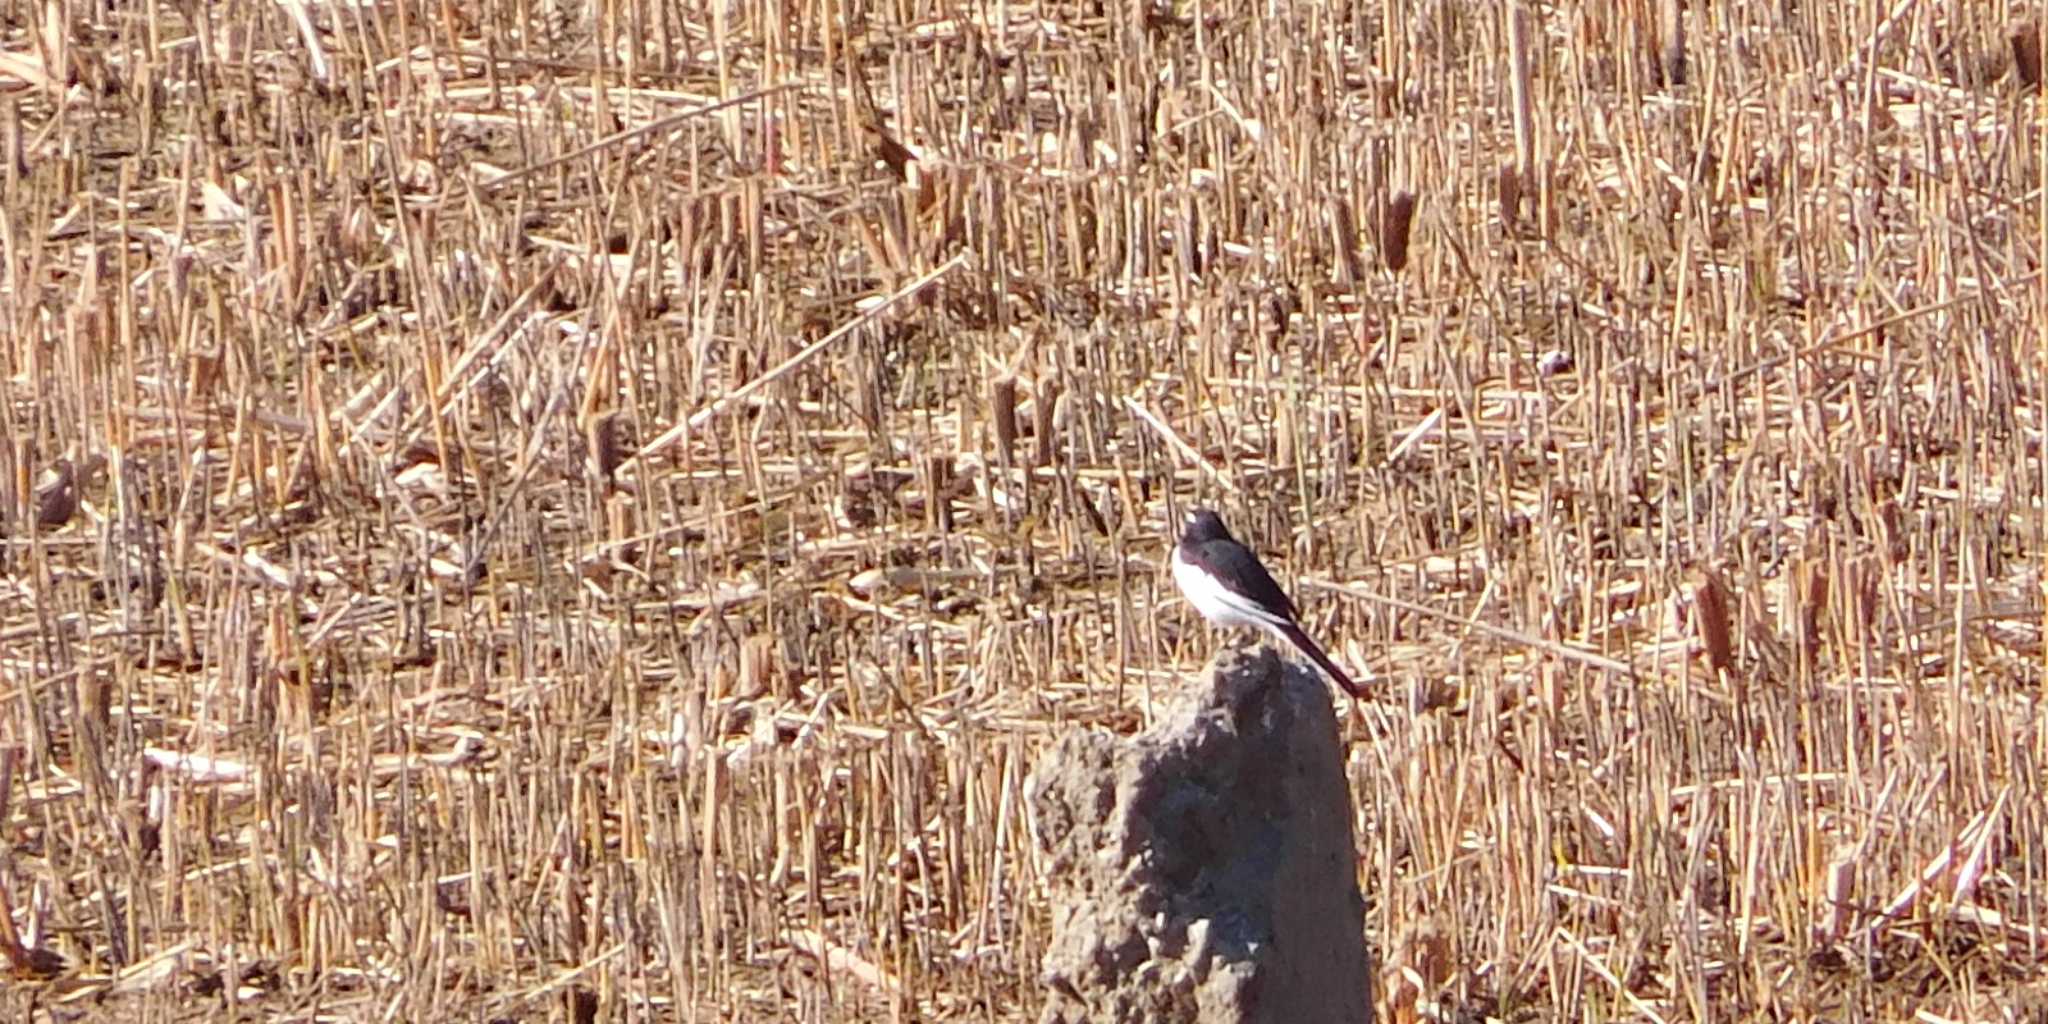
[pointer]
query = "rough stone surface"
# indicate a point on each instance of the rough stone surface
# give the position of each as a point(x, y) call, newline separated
point(1203, 871)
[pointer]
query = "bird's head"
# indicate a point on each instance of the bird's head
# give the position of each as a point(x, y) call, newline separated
point(1203, 525)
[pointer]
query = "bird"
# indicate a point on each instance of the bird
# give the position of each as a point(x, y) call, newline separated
point(1228, 585)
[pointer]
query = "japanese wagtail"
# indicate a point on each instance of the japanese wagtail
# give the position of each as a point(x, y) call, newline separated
point(1226, 583)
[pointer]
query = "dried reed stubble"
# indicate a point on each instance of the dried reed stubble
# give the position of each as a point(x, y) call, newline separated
point(1344, 239)
point(1522, 90)
point(895, 890)
point(1044, 409)
point(603, 447)
point(1671, 62)
point(57, 495)
point(1713, 621)
point(2024, 35)
point(1002, 403)
point(1508, 184)
point(1395, 222)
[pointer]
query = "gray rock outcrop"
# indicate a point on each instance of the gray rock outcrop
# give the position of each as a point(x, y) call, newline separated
point(1204, 871)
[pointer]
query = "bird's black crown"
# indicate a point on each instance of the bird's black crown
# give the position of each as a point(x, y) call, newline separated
point(1204, 525)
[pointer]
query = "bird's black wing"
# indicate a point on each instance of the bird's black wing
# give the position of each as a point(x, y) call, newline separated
point(1240, 571)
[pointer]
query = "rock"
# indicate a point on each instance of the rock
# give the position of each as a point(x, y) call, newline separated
point(1204, 870)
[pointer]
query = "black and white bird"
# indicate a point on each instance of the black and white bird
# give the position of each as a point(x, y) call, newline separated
point(1228, 585)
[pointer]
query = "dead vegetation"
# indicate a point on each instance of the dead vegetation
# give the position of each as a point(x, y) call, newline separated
point(542, 511)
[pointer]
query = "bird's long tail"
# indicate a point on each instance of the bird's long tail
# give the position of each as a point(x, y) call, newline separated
point(1306, 646)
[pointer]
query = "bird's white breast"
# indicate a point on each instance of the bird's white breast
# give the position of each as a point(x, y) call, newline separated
point(1216, 604)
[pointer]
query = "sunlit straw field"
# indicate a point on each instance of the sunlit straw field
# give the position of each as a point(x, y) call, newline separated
point(552, 512)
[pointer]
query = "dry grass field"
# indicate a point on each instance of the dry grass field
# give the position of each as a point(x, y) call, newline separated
point(522, 510)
